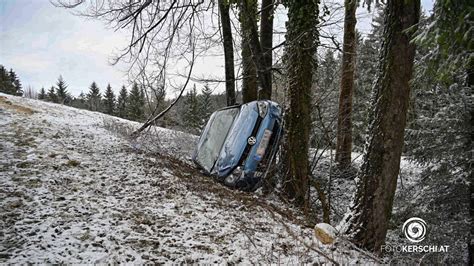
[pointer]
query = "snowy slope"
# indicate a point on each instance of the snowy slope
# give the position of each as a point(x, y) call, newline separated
point(73, 191)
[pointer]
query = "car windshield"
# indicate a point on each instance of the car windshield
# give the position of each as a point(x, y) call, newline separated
point(215, 134)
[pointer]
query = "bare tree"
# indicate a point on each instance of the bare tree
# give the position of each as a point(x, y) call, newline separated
point(249, 70)
point(249, 21)
point(372, 207)
point(228, 51)
point(344, 120)
point(162, 33)
point(30, 92)
point(266, 41)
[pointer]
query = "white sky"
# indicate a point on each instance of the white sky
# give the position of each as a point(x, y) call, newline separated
point(41, 42)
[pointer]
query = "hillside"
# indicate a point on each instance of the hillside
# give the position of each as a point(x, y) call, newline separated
point(73, 191)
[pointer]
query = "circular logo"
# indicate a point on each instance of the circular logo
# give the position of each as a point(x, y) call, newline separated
point(251, 140)
point(414, 229)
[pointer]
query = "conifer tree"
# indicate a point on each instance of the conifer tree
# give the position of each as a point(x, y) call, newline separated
point(16, 85)
point(136, 103)
point(42, 94)
point(51, 97)
point(109, 101)
point(192, 117)
point(122, 103)
point(61, 91)
point(80, 101)
point(5, 82)
point(206, 105)
point(9, 82)
point(93, 97)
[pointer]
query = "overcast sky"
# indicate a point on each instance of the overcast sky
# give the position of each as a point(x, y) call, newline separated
point(41, 42)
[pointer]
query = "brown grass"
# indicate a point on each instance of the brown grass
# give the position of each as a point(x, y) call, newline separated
point(5, 103)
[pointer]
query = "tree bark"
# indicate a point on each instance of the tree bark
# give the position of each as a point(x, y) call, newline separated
point(470, 83)
point(344, 119)
point(250, 21)
point(300, 49)
point(228, 51)
point(377, 181)
point(249, 70)
point(266, 42)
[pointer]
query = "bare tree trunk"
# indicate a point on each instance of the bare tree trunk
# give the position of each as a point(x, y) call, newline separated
point(372, 207)
point(300, 49)
point(266, 42)
point(326, 207)
point(228, 51)
point(344, 120)
point(250, 21)
point(249, 70)
point(470, 83)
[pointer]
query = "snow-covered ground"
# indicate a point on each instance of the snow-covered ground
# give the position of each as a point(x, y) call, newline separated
point(74, 190)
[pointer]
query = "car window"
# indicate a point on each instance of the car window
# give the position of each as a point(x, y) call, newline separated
point(214, 136)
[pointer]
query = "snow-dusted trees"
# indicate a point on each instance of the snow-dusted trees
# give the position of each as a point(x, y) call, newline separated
point(94, 98)
point(51, 96)
point(136, 103)
point(192, 117)
point(109, 101)
point(440, 135)
point(124, 106)
point(80, 101)
point(196, 109)
point(207, 104)
point(9, 82)
point(42, 94)
point(61, 91)
point(377, 180)
point(122, 100)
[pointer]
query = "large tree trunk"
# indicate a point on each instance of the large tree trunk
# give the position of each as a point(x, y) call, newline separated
point(266, 41)
point(249, 70)
point(300, 50)
point(377, 180)
point(344, 122)
point(470, 83)
point(250, 21)
point(228, 51)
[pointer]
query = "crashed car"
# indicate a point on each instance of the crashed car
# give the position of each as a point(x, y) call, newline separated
point(239, 143)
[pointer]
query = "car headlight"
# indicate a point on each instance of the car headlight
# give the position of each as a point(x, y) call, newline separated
point(262, 109)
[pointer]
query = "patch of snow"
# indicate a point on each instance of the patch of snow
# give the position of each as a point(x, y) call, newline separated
point(73, 191)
